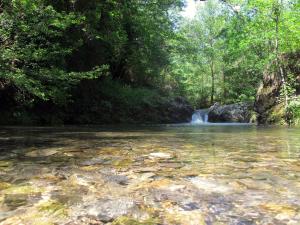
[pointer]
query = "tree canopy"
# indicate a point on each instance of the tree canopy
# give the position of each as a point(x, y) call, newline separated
point(50, 49)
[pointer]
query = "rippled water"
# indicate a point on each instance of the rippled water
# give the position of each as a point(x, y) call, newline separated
point(150, 175)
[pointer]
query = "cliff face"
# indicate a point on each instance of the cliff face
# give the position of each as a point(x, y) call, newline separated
point(269, 106)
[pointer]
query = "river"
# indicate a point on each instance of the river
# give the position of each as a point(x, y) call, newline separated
point(167, 174)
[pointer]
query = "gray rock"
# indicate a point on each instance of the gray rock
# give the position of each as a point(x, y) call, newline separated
point(91, 162)
point(107, 210)
point(119, 179)
point(240, 112)
point(16, 200)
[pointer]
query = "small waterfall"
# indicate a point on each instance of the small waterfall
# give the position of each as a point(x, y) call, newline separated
point(200, 116)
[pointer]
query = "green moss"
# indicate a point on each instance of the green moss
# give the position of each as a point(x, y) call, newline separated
point(4, 185)
point(15, 200)
point(5, 163)
point(122, 163)
point(53, 207)
point(130, 221)
point(276, 115)
point(25, 189)
point(253, 117)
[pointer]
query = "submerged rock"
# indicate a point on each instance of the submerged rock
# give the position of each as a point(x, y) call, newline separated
point(13, 201)
point(41, 153)
point(209, 185)
point(160, 155)
point(194, 217)
point(92, 162)
point(5, 164)
point(240, 112)
point(107, 210)
point(119, 179)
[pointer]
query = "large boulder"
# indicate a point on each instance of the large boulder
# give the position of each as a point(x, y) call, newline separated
point(239, 112)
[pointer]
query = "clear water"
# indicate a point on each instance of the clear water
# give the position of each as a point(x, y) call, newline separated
point(168, 174)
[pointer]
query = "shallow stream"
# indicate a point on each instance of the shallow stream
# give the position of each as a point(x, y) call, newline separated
point(203, 174)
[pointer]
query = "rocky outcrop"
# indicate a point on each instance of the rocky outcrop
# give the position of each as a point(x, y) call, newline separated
point(239, 112)
point(268, 105)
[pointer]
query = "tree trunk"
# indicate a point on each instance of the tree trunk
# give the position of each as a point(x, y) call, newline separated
point(224, 86)
point(212, 82)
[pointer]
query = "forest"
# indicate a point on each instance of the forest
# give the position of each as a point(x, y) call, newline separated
point(149, 112)
point(135, 61)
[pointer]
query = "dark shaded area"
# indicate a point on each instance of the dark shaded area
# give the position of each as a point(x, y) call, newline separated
point(97, 102)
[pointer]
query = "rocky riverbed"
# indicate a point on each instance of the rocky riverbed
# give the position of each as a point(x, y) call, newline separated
point(149, 175)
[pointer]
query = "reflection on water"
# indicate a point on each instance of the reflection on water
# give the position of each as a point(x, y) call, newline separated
point(150, 175)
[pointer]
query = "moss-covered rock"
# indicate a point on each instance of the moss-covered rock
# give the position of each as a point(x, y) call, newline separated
point(4, 185)
point(14, 201)
point(130, 221)
point(22, 189)
point(269, 103)
point(53, 207)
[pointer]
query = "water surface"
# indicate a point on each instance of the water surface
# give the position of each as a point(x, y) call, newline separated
point(150, 175)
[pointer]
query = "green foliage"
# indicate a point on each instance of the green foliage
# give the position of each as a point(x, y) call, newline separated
point(34, 48)
point(235, 41)
point(47, 46)
point(197, 61)
point(114, 101)
point(293, 112)
point(115, 55)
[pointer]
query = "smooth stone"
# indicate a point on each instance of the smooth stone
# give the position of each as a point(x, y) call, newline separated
point(119, 179)
point(245, 222)
point(41, 153)
point(175, 187)
point(194, 217)
point(255, 185)
point(171, 165)
point(4, 185)
point(5, 215)
point(92, 162)
point(190, 206)
point(146, 169)
point(107, 210)
point(14, 201)
point(160, 155)
point(209, 185)
point(146, 176)
point(5, 164)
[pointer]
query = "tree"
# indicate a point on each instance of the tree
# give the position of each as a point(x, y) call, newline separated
point(202, 39)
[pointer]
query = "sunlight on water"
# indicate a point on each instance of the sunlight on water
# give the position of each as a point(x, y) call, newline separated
point(159, 175)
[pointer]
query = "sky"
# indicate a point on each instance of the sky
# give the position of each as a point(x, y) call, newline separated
point(190, 10)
